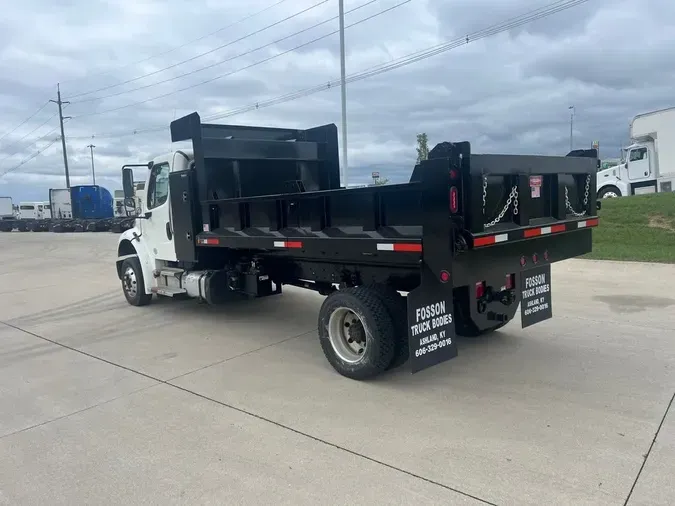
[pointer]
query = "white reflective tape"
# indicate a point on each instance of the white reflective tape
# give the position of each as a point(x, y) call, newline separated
point(385, 247)
point(581, 224)
point(545, 230)
point(502, 238)
point(279, 244)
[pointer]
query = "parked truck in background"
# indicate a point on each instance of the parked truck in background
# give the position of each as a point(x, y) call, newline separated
point(7, 217)
point(469, 238)
point(648, 163)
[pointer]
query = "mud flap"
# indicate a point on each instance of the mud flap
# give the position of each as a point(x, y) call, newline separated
point(431, 323)
point(536, 303)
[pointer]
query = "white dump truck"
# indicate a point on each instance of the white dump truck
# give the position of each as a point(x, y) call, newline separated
point(648, 163)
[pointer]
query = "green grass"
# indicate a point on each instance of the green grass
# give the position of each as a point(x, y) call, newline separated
point(639, 228)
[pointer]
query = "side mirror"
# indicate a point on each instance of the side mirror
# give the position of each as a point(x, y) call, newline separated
point(128, 183)
point(625, 165)
point(130, 202)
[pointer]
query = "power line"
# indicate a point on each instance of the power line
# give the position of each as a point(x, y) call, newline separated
point(175, 48)
point(250, 51)
point(29, 133)
point(31, 157)
point(201, 54)
point(509, 24)
point(24, 121)
point(244, 68)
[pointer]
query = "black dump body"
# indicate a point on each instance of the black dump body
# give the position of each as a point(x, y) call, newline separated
point(255, 188)
point(462, 219)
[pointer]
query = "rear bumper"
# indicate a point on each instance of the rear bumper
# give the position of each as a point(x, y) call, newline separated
point(559, 227)
point(495, 262)
point(491, 266)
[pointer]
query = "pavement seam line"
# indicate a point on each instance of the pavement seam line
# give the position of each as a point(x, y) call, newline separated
point(649, 451)
point(102, 403)
point(241, 355)
point(259, 417)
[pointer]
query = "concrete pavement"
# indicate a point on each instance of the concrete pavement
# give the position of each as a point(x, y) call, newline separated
point(181, 403)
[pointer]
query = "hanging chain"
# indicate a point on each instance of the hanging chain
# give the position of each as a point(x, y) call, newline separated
point(568, 205)
point(513, 198)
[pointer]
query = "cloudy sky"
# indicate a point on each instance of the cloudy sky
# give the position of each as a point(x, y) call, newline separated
point(130, 67)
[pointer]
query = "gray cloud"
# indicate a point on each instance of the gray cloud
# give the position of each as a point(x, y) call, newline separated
point(507, 93)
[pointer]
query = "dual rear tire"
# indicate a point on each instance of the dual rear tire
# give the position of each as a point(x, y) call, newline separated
point(363, 330)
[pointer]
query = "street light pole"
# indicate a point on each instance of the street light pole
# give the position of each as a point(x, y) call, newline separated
point(343, 89)
point(93, 173)
point(572, 109)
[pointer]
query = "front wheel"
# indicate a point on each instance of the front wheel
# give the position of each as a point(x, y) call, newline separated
point(609, 192)
point(356, 333)
point(133, 285)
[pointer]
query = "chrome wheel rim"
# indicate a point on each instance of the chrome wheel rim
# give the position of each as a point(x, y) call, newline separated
point(130, 282)
point(347, 335)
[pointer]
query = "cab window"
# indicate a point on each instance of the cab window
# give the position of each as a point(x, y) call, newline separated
point(158, 185)
point(638, 154)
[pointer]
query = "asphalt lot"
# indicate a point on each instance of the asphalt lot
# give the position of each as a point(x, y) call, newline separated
point(181, 403)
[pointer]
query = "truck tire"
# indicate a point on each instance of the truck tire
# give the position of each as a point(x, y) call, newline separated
point(609, 192)
point(133, 285)
point(398, 311)
point(357, 333)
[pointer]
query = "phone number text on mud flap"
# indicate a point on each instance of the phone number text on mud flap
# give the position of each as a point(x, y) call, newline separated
point(536, 309)
point(429, 348)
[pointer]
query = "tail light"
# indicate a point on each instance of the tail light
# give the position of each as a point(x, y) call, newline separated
point(480, 289)
point(510, 281)
point(454, 200)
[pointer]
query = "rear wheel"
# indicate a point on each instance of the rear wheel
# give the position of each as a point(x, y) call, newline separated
point(356, 333)
point(397, 308)
point(133, 285)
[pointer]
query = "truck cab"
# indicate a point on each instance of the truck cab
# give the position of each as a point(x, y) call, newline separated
point(635, 174)
point(154, 221)
point(29, 210)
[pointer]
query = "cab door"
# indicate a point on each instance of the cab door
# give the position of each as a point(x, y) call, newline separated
point(638, 164)
point(157, 223)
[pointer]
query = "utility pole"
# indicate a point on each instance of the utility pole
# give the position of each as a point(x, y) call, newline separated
point(343, 88)
point(93, 173)
point(63, 136)
point(571, 108)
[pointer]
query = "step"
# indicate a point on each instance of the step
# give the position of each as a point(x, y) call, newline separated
point(169, 291)
point(171, 272)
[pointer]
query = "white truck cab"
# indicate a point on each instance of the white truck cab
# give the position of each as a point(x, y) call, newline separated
point(648, 164)
point(151, 237)
point(30, 210)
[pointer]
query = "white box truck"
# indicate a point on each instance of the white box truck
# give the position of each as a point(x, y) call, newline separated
point(648, 164)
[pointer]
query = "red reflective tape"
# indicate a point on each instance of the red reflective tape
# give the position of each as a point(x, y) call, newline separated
point(558, 228)
point(293, 244)
point(209, 240)
point(408, 247)
point(484, 241)
point(533, 232)
point(592, 222)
